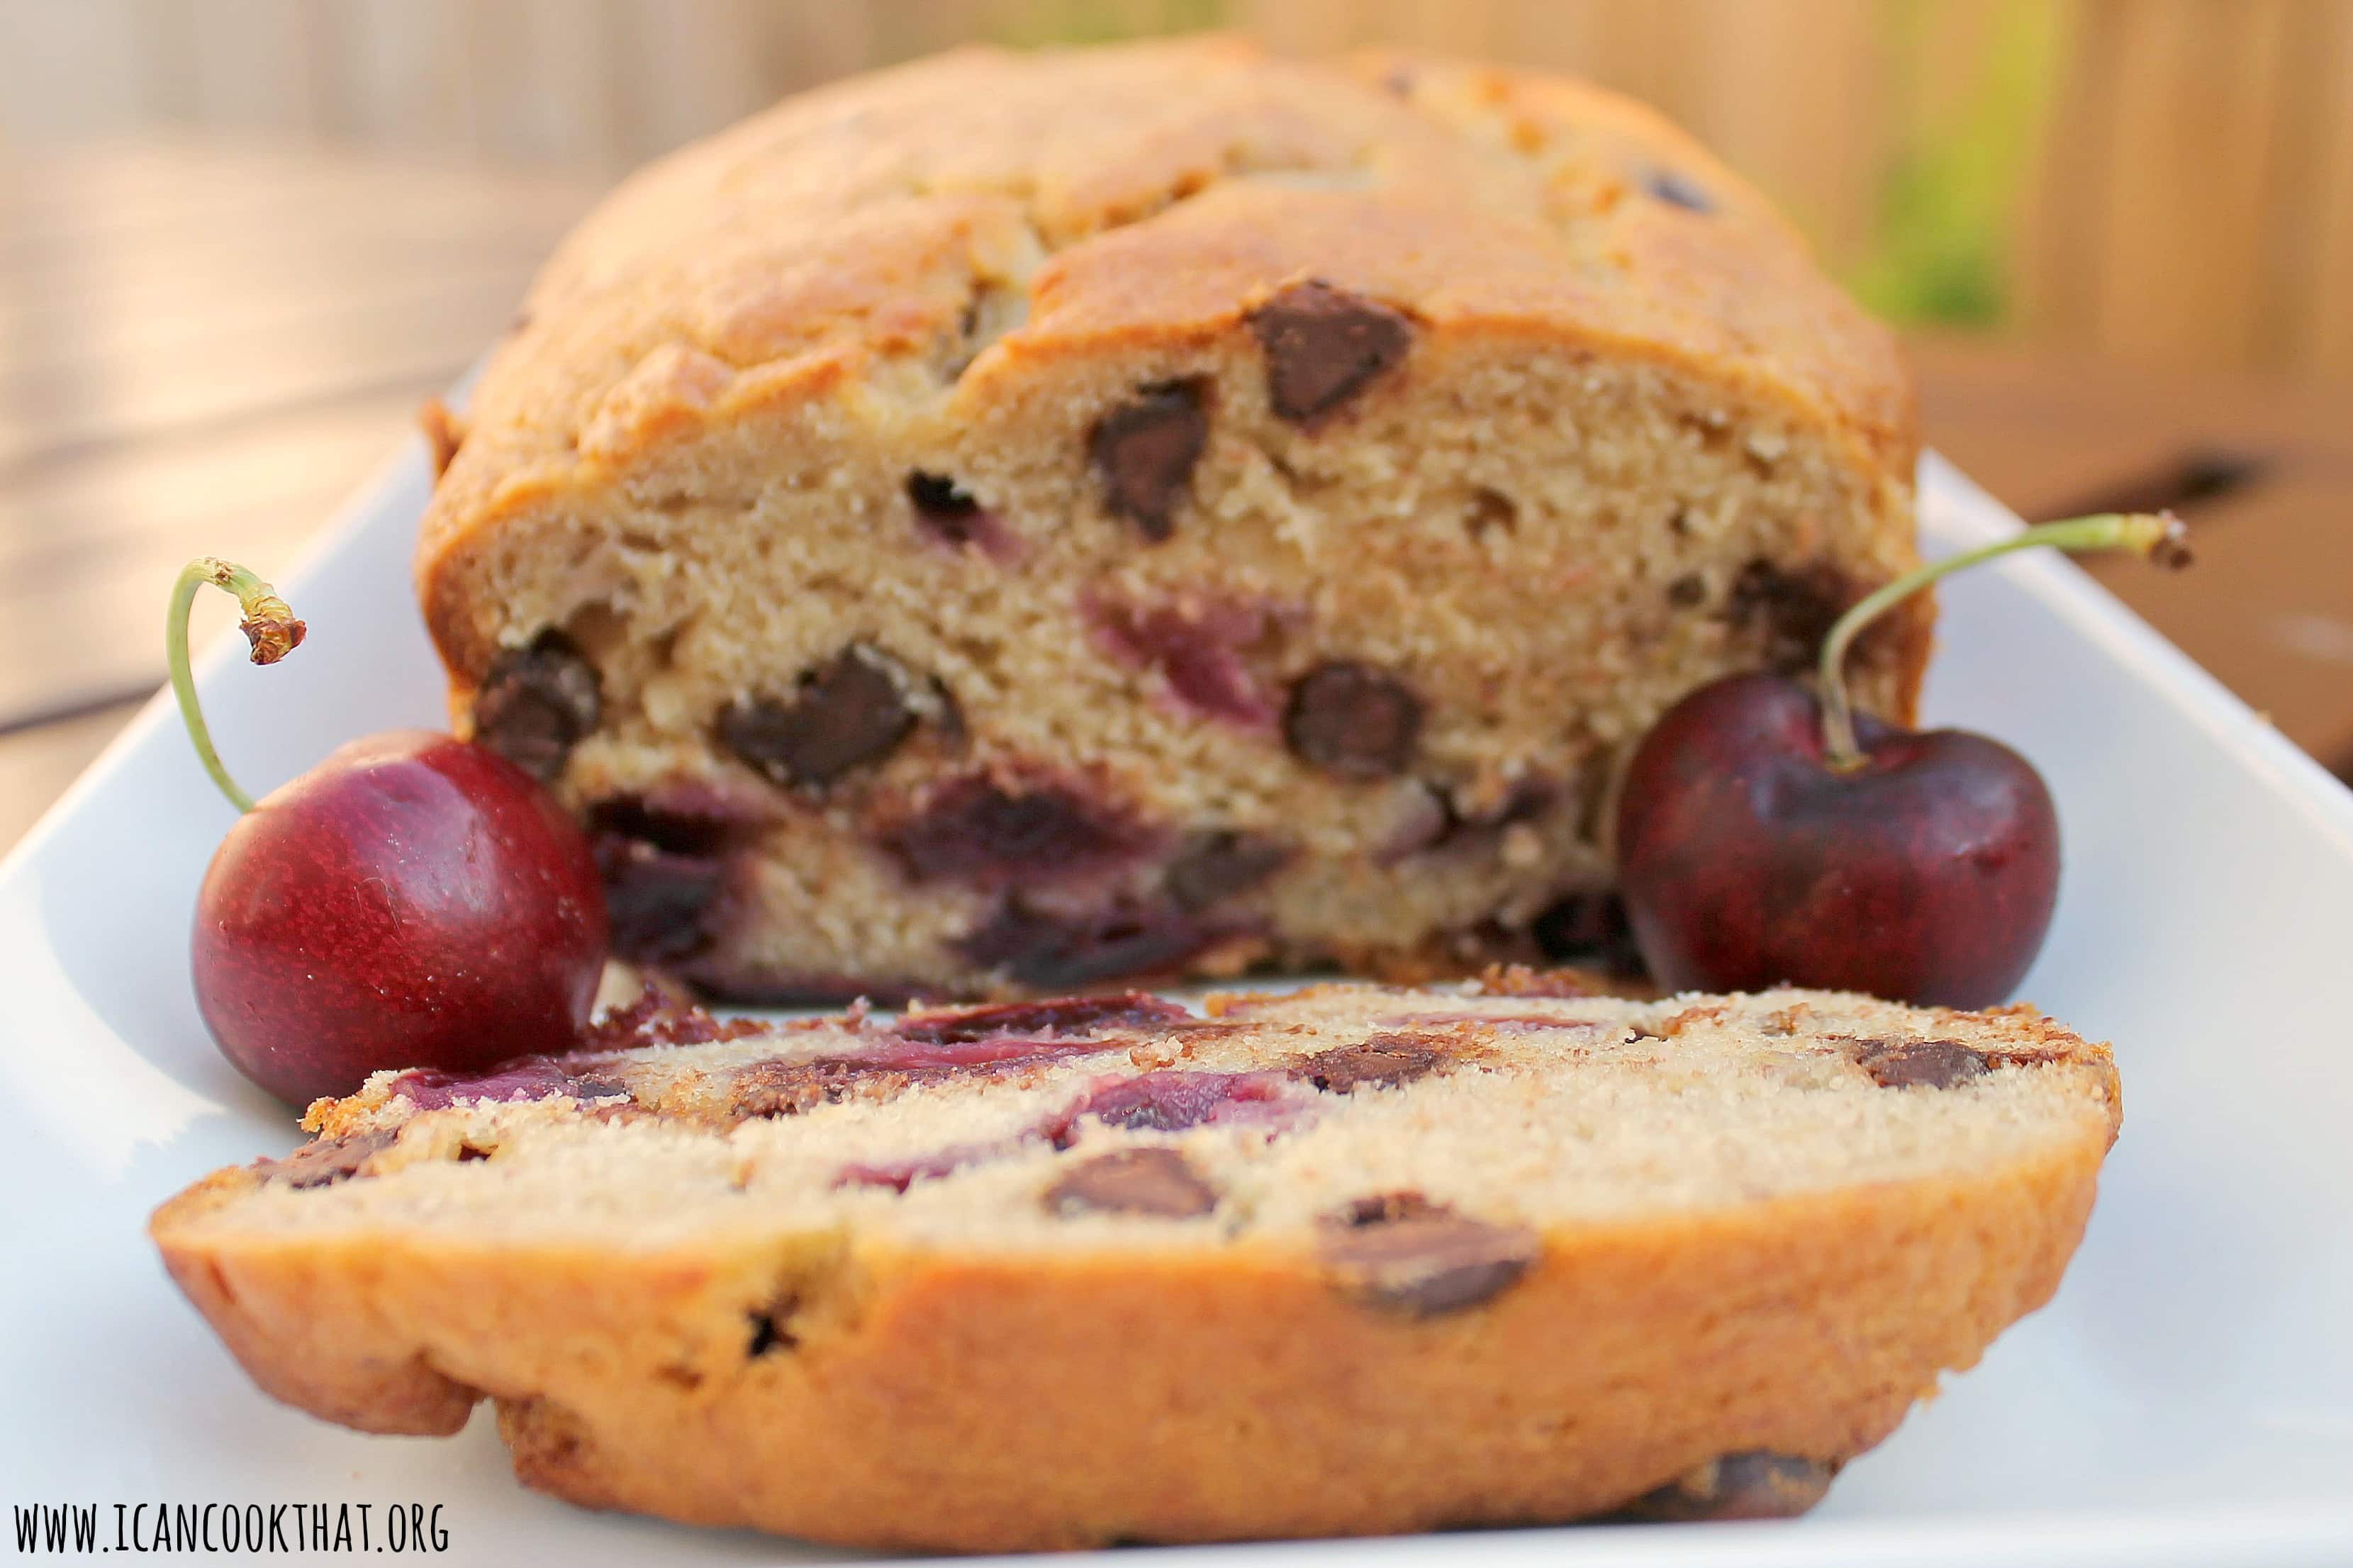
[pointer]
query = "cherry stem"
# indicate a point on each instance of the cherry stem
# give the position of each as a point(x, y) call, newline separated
point(268, 625)
point(2158, 536)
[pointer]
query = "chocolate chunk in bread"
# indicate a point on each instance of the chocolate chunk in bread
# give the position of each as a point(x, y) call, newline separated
point(1145, 450)
point(953, 517)
point(1324, 346)
point(1223, 863)
point(1402, 1252)
point(537, 702)
point(848, 712)
point(1160, 1183)
point(1920, 1064)
point(1353, 719)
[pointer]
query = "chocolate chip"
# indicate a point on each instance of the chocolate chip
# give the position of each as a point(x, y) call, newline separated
point(1160, 1183)
point(679, 831)
point(1920, 1064)
point(1490, 509)
point(945, 510)
point(768, 1333)
point(1791, 609)
point(1354, 720)
point(1686, 590)
point(1382, 1059)
point(537, 703)
point(663, 906)
point(981, 830)
point(1588, 928)
point(1144, 451)
point(1049, 950)
point(1324, 346)
point(847, 712)
point(1220, 863)
point(1403, 1252)
point(328, 1161)
point(1678, 190)
point(1753, 1484)
point(937, 498)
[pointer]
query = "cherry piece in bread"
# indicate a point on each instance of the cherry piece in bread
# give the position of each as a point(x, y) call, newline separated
point(1765, 836)
point(412, 901)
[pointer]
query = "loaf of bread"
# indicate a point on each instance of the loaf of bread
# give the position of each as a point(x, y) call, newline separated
point(1352, 1260)
point(1023, 521)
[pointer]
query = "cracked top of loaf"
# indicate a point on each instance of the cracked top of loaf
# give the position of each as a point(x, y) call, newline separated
point(906, 248)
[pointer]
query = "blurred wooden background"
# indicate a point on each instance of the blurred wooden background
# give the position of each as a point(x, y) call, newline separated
point(2166, 182)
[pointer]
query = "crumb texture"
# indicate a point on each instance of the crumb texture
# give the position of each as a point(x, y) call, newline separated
point(1353, 1259)
point(916, 527)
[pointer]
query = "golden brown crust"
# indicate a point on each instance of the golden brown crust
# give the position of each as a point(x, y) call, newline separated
point(1171, 187)
point(275, 1330)
point(936, 1402)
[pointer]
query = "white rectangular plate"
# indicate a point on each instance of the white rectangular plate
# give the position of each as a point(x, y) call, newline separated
point(2186, 1398)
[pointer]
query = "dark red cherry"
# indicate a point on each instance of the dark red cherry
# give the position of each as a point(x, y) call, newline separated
point(1765, 836)
point(413, 901)
point(1927, 874)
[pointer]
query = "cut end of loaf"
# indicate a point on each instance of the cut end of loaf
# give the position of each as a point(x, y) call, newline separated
point(1252, 536)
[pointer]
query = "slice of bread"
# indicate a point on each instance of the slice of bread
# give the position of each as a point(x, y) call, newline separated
point(1355, 1259)
point(1020, 521)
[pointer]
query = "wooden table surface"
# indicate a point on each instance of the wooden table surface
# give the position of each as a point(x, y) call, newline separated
point(203, 348)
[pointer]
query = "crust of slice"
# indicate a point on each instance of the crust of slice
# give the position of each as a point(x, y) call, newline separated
point(960, 1404)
